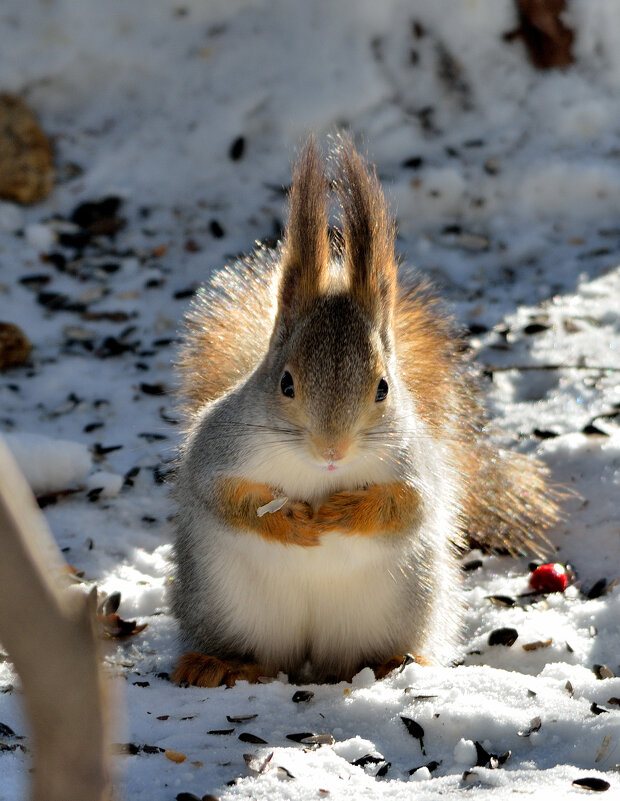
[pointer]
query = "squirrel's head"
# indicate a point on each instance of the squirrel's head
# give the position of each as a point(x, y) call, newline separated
point(330, 361)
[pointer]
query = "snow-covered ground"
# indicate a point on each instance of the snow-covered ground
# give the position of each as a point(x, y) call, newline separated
point(506, 185)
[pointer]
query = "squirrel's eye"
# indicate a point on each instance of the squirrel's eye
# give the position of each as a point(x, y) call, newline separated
point(286, 385)
point(382, 390)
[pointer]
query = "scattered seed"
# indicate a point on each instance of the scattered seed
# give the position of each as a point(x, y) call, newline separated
point(614, 701)
point(187, 797)
point(592, 783)
point(102, 450)
point(153, 389)
point(221, 731)
point(593, 431)
point(603, 672)
point(430, 766)
point(152, 749)
point(216, 229)
point(597, 589)
point(504, 636)
point(569, 688)
point(413, 163)
point(415, 730)
point(6, 731)
point(89, 427)
point(475, 564)
point(110, 604)
point(319, 739)
point(534, 646)
point(240, 718)
point(535, 724)
point(130, 749)
point(248, 737)
point(535, 328)
point(36, 282)
point(300, 737)
point(367, 759)
point(257, 764)
point(237, 148)
point(544, 434)
point(501, 600)
point(56, 301)
point(598, 710)
point(486, 760)
point(181, 294)
point(603, 749)
point(302, 696)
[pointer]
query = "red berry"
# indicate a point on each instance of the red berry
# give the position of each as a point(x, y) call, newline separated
point(551, 577)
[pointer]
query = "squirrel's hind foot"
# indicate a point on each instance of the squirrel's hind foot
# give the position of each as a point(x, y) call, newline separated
point(390, 665)
point(209, 671)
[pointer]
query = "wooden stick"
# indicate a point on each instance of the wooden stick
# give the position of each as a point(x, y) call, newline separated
point(49, 634)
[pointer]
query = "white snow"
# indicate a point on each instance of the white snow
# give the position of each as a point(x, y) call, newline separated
point(505, 184)
point(109, 483)
point(40, 237)
point(49, 465)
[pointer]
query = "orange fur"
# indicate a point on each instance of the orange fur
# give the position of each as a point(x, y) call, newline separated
point(379, 508)
point(209, 671)
point(238, 501)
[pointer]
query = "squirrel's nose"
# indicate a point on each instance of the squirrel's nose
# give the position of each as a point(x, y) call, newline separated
point(332, 450)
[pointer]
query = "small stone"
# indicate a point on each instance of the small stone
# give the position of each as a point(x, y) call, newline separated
point(26, 164)
point(14, 346)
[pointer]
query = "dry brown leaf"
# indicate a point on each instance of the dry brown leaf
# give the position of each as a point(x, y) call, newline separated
point(26, 163)
point(14, 346)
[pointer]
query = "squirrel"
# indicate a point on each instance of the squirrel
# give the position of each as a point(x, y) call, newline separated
point(336, 459)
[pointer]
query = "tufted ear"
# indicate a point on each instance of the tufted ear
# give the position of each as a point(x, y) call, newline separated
point(306, 243)
point(368, 233)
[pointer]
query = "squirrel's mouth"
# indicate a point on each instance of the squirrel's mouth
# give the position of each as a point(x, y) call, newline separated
point(331, 466)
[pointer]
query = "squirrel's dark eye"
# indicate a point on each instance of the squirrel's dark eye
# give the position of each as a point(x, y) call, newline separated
point(382, 390)
point(286, 385)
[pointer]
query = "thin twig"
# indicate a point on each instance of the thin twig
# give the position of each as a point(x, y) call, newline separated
point(497, 369)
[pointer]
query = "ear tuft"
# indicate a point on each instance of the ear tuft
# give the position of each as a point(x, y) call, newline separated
point(368, 232)
point(306, 244)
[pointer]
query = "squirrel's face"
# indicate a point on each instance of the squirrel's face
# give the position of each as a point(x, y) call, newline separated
point(332, 380)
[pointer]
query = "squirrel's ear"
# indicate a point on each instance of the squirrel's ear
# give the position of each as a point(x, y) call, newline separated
point(306, 242)
point(368, 233)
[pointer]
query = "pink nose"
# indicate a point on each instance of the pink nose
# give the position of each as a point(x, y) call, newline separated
point(334, 451)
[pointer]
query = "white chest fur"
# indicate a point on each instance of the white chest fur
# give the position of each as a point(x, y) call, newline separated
point(331, 604)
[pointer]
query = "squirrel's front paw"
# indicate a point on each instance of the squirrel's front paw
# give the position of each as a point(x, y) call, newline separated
point(342, 510)
point(304, 530)
point(209, 671)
